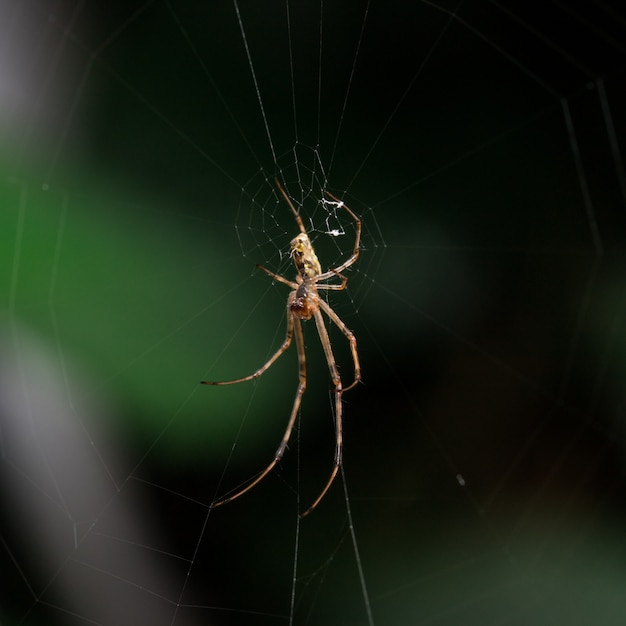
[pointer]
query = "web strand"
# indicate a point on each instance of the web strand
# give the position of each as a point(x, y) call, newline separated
point(481, 154)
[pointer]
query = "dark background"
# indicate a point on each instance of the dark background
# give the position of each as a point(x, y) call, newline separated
point(481, 143)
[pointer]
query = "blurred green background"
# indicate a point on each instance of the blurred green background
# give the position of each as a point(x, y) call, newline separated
point(481, 144)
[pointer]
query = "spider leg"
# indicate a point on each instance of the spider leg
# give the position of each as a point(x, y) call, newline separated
point(277, 277)
point(340, 287)
point(349, 335)
point(296, 325)
point(357, 241)
point(334, 374)
point(337, 271)
point(290, 203)
point(286, 343)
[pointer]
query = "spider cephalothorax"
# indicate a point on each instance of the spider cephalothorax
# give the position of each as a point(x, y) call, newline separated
point(300, 303)
point(303, 303)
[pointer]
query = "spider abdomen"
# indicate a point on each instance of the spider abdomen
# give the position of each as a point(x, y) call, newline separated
point(304, 257)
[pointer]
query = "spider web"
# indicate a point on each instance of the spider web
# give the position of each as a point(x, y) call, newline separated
point(480, 143)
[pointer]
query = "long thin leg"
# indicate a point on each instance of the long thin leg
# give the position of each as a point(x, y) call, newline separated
point(349, 336)
point(297, 326)
point(277, 277)
point(340, 287)
point(293, 210)
point(357, 241)
point(334, 374)
point(267, 365)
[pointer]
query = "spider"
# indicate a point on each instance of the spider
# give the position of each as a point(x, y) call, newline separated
point(304, 303)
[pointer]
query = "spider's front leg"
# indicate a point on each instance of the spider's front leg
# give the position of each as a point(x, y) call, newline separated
point(282, 447)
point(334, 375)
point(286, 343)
